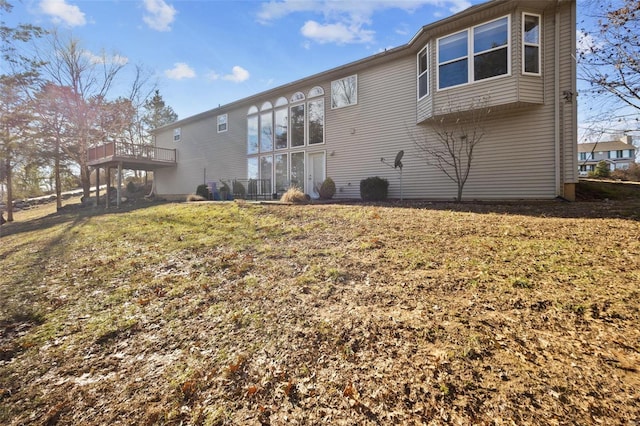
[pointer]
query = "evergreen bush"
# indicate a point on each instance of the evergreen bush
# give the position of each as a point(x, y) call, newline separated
point(374, 189)
point(327, 189)
point(203, 191)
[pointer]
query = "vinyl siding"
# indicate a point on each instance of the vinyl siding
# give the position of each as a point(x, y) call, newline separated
point(203, 154)
point(569, 151)
point(378, 126)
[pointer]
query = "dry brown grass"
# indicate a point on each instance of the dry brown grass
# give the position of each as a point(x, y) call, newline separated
point(247, 314)
point(294, 196)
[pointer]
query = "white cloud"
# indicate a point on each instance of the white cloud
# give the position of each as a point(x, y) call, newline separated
point(61, 12)
point(345, 21)
point(336, 33)
point(180, 71)
point(160, 15)
point(238, 75)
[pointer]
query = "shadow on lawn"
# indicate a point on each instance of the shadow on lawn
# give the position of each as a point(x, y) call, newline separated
point(74, 213)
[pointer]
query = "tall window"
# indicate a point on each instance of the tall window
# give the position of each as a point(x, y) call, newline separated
point(531, 43)
point(252, 134)
point(266, 174)
point(281, 124)
point(474, 54)
point(423, 75)
point(297, 125)
point(222, 123)
point(316, 121)
point(297, 170)
point(344, 92)
point(282, 172)
point(266, 132)
point(177, 134)
point(252, 168)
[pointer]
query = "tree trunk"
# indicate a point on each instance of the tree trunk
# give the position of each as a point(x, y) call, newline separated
point(85, 181)
point(57, 176)
point(8, 171)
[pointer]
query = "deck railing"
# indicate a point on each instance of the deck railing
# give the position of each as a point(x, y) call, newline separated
point(133, 151)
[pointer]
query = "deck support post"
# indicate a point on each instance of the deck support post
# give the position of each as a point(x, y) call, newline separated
point(119, 184)
point(97, 186)
point(106, 204)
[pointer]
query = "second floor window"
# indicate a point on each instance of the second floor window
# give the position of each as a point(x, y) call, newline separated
point(474, 54)
point(531, 44)
point(423, 75)
point(222, 123)
point(177, 134)
point(344, 92)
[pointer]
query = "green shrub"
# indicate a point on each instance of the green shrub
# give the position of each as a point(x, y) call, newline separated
point(374, 189)
point(327, 189)
point(602, 170)
point(238, 189)
point(203, 191)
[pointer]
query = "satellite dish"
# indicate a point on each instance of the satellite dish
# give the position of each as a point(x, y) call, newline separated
point(398, 162)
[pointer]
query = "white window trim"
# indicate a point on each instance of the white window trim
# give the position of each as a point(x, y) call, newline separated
point(307, 122)
point(275, 114)
point(223, 119)
point(304, 126)
point(177, 134)
point(471, 55)
point(426, 50)
point(250, 116)
point(538, 45)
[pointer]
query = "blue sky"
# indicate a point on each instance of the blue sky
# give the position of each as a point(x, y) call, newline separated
point(205, 53)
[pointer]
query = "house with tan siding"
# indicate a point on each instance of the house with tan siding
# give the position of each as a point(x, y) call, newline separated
point(513, 58)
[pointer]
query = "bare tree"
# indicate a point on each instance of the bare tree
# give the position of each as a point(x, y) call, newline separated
point(448, 141)
point(609, 63)
point(89, 78)
point(52, 107)
point(18, 73)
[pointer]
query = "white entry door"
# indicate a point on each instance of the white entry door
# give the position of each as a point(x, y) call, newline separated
point(316, 173)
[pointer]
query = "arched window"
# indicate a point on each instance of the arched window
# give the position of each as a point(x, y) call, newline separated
point(281, 101)
point(266, 106)
point(316, 91)
point(298, 96)
point(252, 110)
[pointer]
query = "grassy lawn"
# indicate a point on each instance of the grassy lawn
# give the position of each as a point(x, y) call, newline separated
point(250, 314)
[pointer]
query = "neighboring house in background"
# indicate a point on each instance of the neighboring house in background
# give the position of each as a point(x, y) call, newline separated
point(515, 56)
point(618, 154)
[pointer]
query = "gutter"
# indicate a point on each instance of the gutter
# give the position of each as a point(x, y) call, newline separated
point(556, 90)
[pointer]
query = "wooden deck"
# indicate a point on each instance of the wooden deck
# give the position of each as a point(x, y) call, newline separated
point(131, 156)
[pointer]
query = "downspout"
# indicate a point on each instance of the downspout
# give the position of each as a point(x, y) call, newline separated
point(556, 94)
